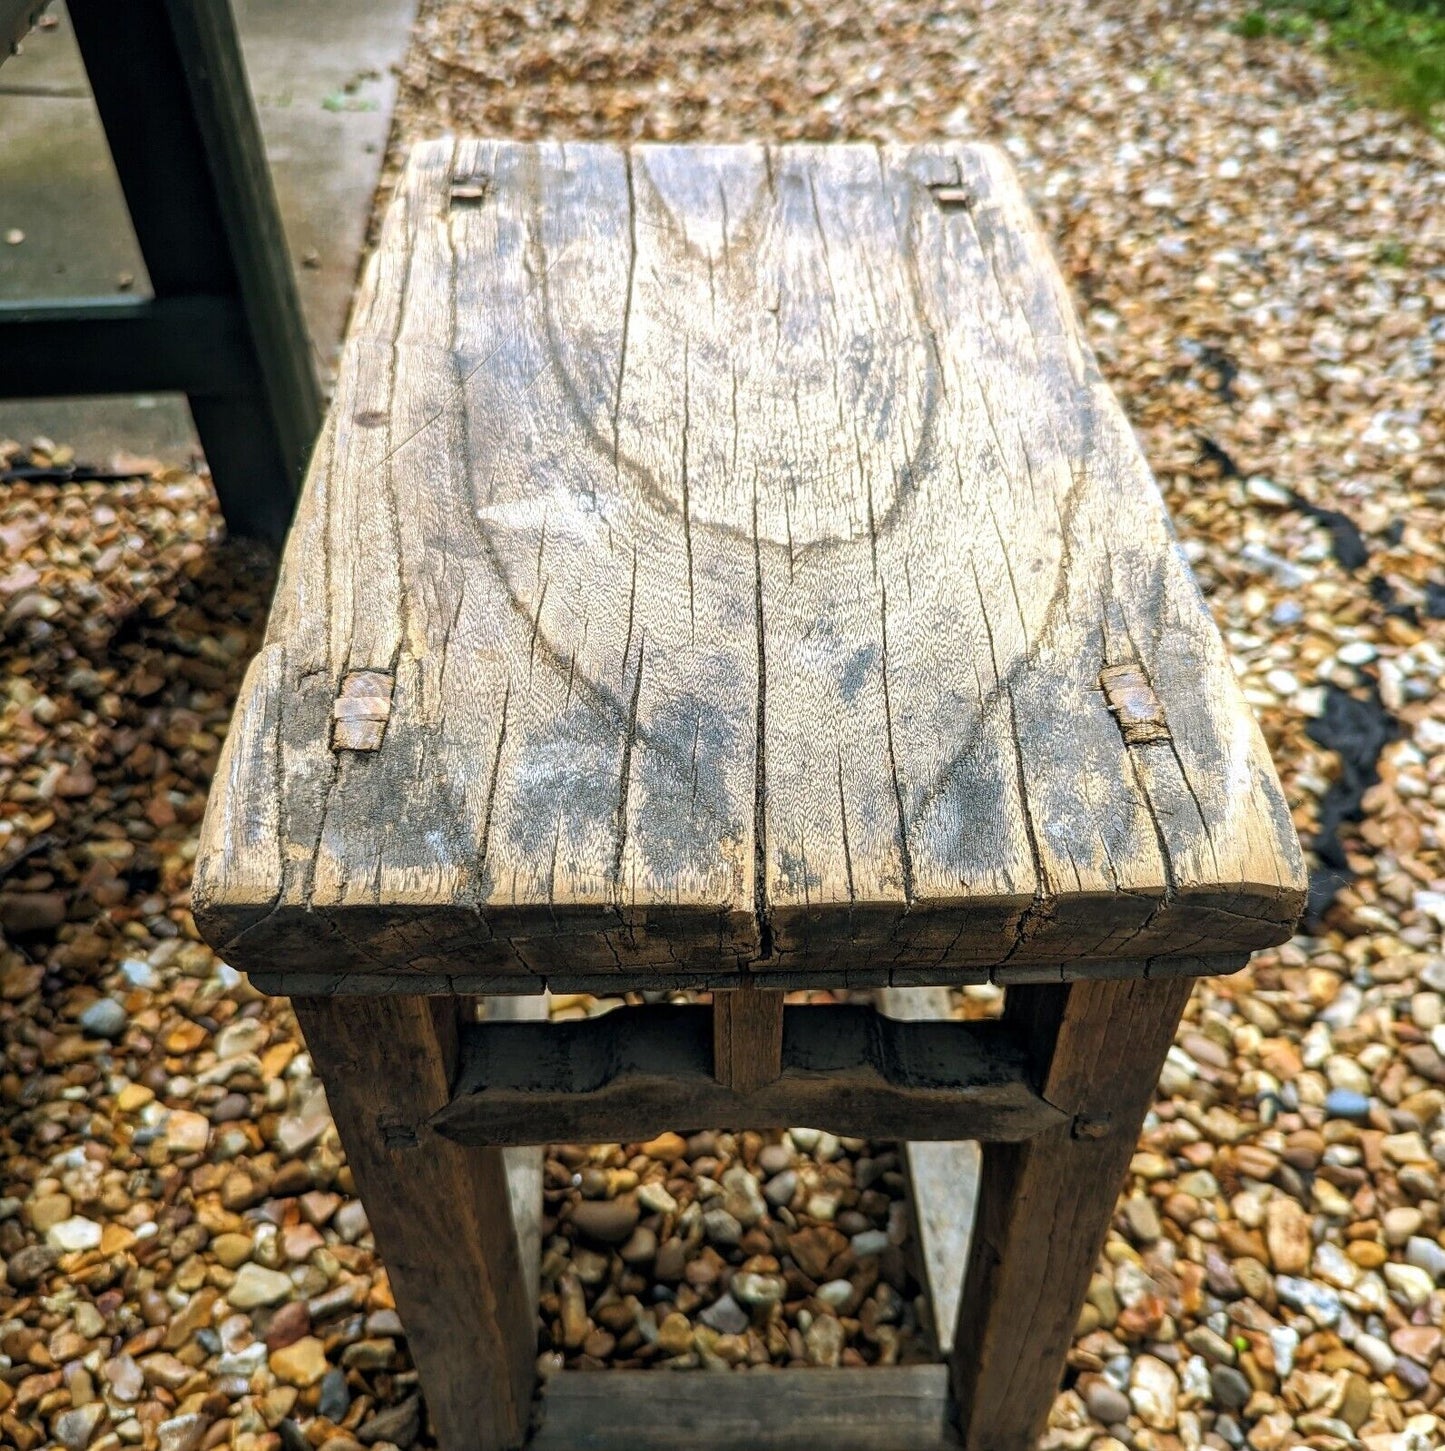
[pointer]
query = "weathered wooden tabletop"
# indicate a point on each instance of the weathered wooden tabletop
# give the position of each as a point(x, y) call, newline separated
point(728, 560)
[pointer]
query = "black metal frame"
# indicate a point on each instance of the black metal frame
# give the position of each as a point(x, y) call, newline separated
point(225, 324)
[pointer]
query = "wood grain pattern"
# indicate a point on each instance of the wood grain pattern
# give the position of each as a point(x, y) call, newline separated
point(882, 1408)
point(627, 1075)
point(747, 1037)
point(442, 1215)
point(769, 584)
point(1044, 1205)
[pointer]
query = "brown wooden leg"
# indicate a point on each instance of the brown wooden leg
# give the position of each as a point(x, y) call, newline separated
point(1045, 1204)
point(441, 1214)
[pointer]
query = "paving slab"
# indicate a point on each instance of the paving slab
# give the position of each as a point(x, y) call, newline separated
point(322, 75)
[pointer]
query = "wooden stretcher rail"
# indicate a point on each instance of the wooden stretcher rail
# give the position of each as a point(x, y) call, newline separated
point(882, 1408)
point(631, 1073)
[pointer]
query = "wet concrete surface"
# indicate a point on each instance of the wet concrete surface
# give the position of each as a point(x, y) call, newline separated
point(321, 74)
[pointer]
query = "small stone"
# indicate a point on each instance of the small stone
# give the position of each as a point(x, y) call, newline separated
point(255, 1286)
point(674, 1335)
point(835, 1293)
point(1142, 1218)
point(400, 1425)
point(750, 1288)
point(74, 1428)
point(1355, 1402)
point(656, 1200)
point(183, 1433)
point(725, 1316)
point(1425, 1254)
point(350, 1221)
point(1154, 1393)
point(641, 1247)
point(74, 1234)
point(1346, 1104)
point(721, 1228)
point(1420, 1342)
point(1400, 1223)
point(606, 1221)
point(1319, 1302)
point(742, 1197)
point(377, 1354)
point(301, 1364)
point(774, 1158)
point(232, 1250)
point(47, 1210)
point(814, 1249)
point(667, 1148)
point(779, 1190)
point(335, 1399)
point(1287, 1235)
point(1409, 1283)
point(290, 1322)
point(186, 1132)
point(1379, 1355)
point(104, 1018)
point(869, 1242)
point(1105, 1403)
point(823, 1341)
point(1231, 1390)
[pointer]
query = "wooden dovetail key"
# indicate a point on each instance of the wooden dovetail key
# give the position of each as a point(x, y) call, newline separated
point(1135, 706)
point(952, 198)
point(360, 713)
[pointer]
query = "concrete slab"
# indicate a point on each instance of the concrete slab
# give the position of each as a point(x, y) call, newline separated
point(321, 73)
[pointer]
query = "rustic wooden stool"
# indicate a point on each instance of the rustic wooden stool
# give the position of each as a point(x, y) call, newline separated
point(725, 568)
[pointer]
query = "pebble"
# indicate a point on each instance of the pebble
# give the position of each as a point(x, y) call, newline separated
point(725, 1316)
point(1409, 1284)
point(1426, 1255)
point(1106, 1404)
point(606, 1221)
point(255, 1286)
point(1347, 1104)
point(1154, 1393)
point(74, 1234)
point(302, 1363)
point(104, 1018)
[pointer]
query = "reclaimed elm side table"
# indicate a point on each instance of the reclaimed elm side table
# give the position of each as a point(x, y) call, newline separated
point(725, 568)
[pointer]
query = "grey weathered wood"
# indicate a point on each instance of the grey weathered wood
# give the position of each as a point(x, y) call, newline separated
point(1044, 1205)
point(641, 979)
point(942, 1184)
point(765, 577)
point(747, 1038)
point(441, 1214)
point(631, 1073)
point(524, 1161)
point(883, 1408)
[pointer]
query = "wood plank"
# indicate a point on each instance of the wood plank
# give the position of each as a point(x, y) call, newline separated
point(441, 1214)
point(883, 1408)
point(747, 1038)
point(306, 982)
point(631, 1073)
point(800, 572)
point(942, 1184)
point(1044, 1206)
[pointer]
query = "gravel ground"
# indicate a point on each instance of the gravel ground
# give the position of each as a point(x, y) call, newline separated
point(1261, 266)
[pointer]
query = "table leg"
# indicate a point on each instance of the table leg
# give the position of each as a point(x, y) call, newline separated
point(1045, 1204)
point(441, 1214)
